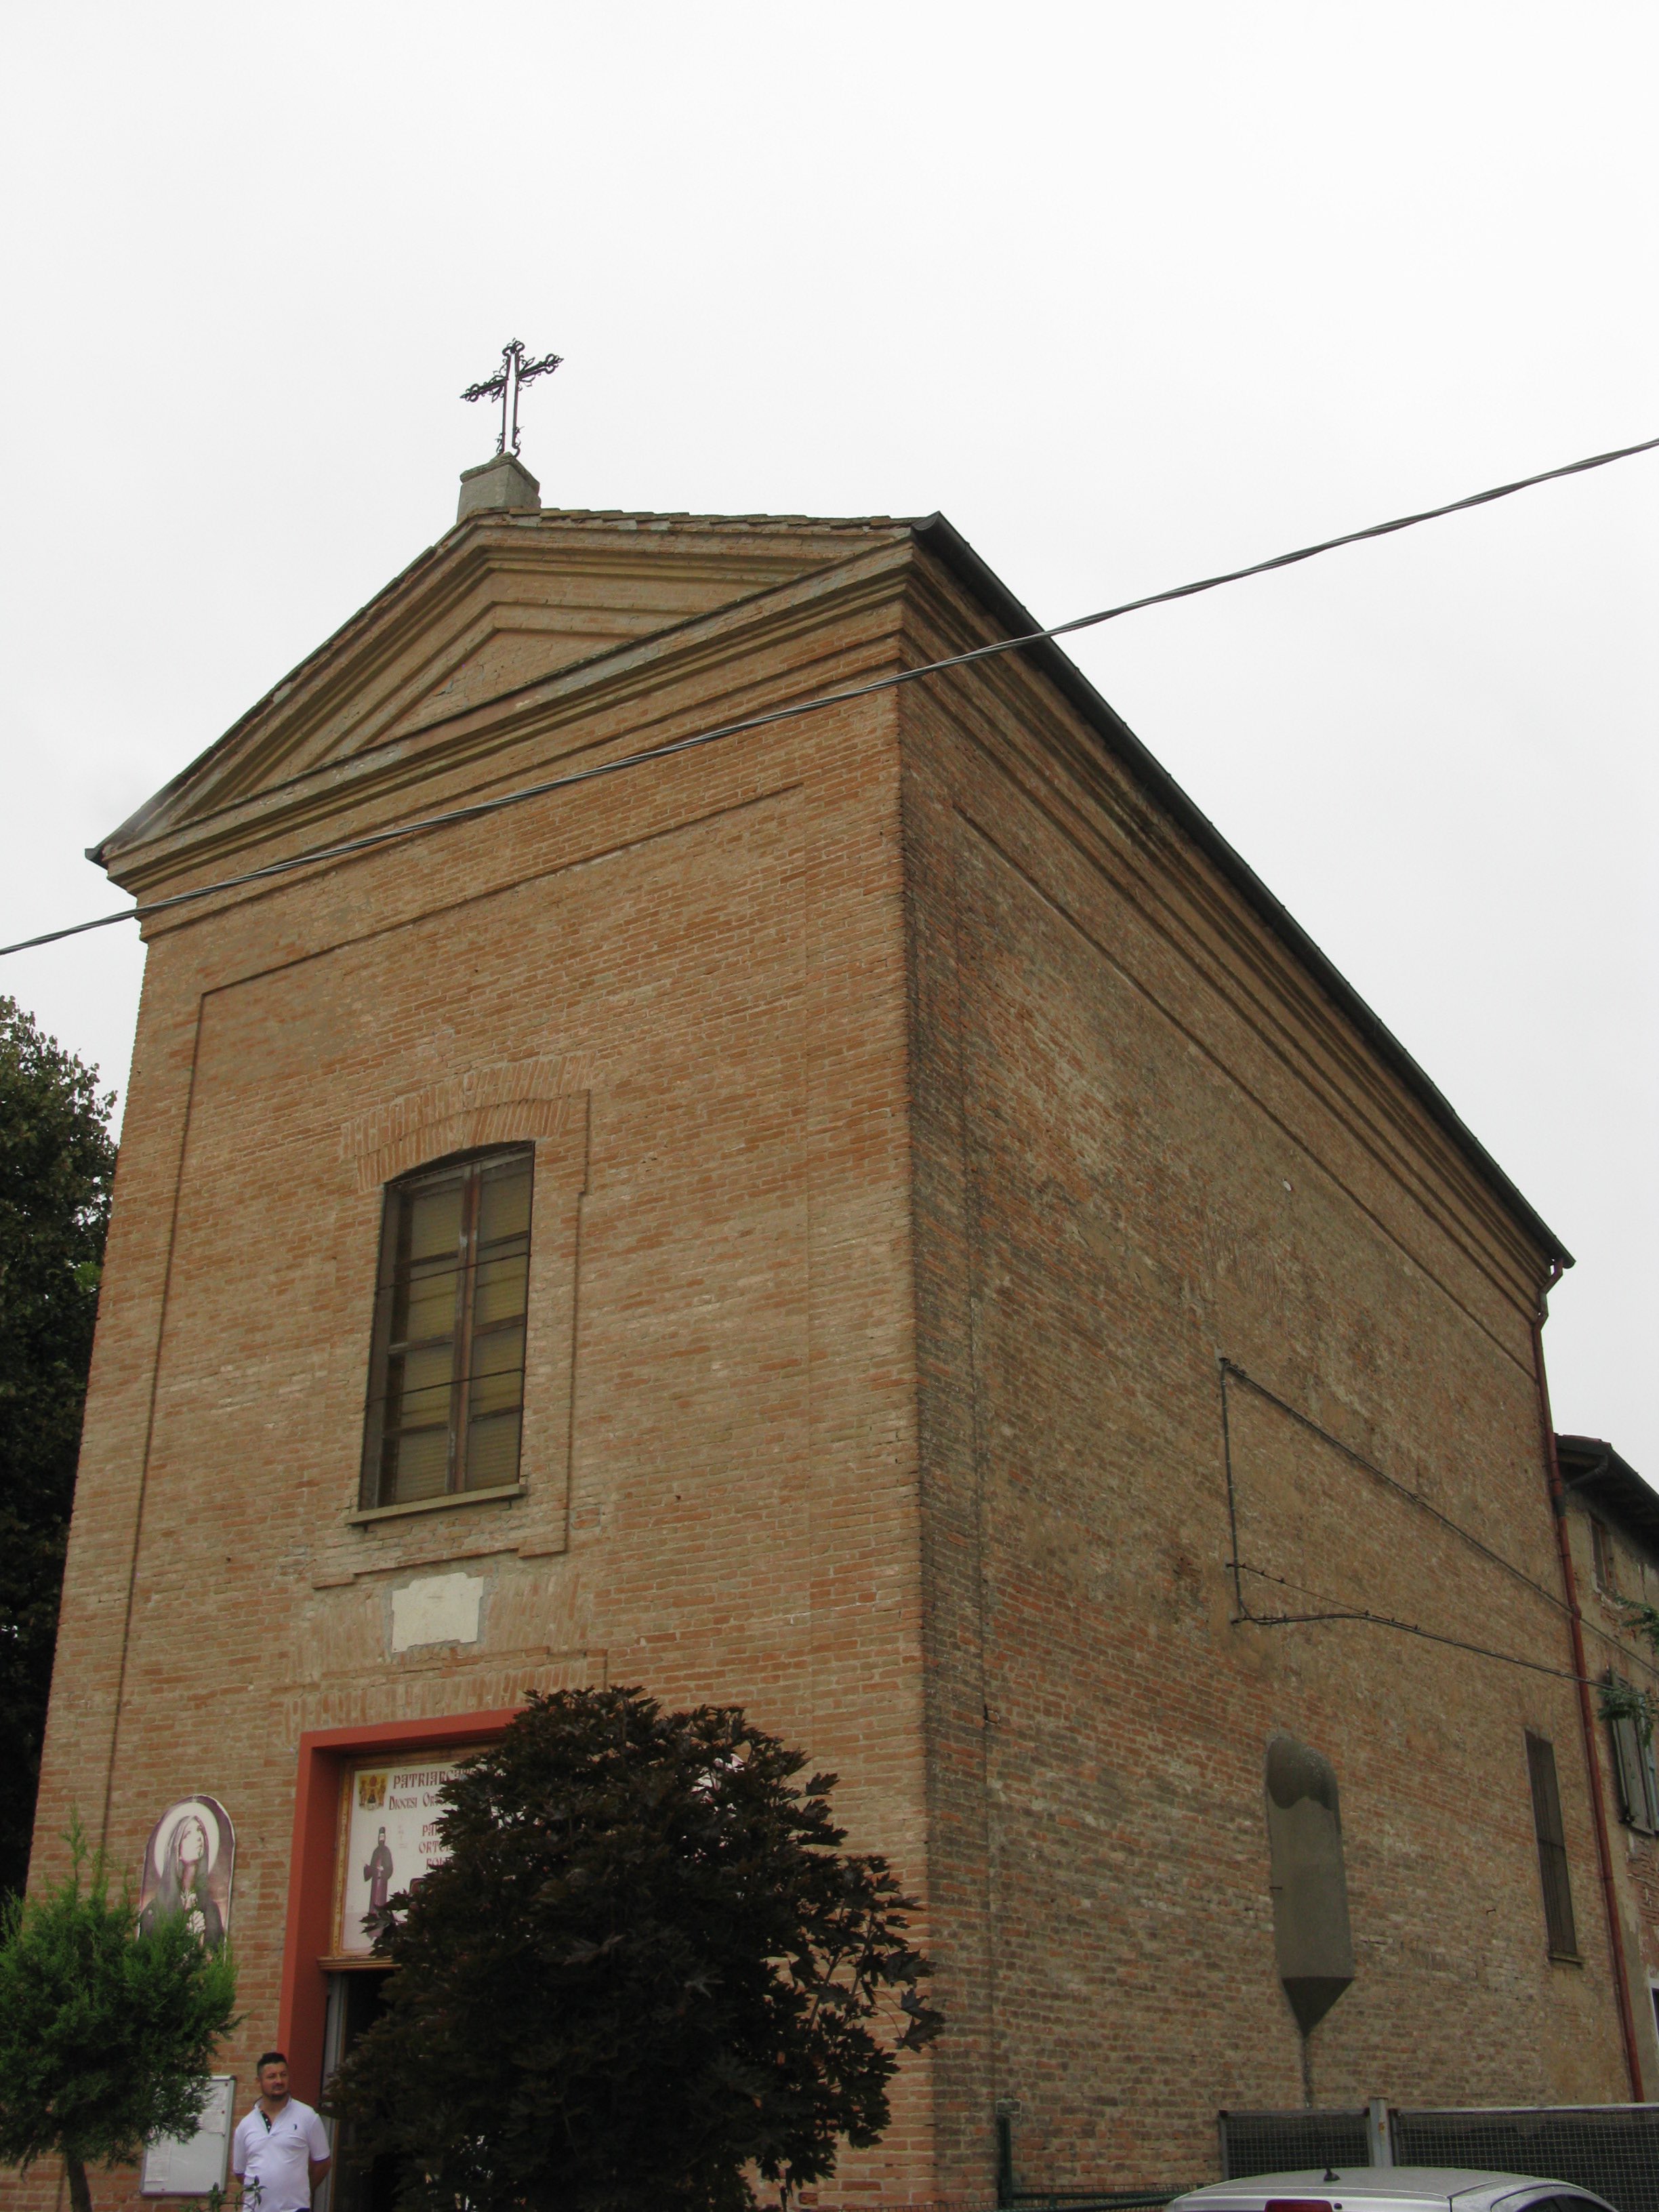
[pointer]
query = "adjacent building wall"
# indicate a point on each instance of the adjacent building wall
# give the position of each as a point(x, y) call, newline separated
point(1612, 1527)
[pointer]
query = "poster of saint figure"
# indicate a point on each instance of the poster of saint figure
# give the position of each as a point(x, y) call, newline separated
point(390, 1841)
point(188, 1863)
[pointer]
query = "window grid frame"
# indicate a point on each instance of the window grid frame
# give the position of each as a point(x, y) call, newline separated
point(394, 1272)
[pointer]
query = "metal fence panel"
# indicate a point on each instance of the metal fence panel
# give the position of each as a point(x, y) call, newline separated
point(1611, 2148)
point(1087, 2200)
point(1287, 2142)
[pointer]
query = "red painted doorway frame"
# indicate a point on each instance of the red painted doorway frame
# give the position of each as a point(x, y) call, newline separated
point(324, 1755)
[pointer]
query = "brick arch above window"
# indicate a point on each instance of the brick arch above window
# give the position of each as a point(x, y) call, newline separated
point(503, 1102)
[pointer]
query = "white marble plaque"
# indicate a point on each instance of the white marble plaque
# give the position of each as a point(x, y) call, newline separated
point(437, 1609)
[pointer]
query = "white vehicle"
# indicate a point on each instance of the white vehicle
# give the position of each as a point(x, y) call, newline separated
point(1390, 2189)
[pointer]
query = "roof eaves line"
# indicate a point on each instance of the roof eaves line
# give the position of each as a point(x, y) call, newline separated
point(942, 538)
point(686, 514)
point(1611, 1485)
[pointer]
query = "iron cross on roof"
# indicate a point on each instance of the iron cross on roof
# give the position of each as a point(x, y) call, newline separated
point(505, 384)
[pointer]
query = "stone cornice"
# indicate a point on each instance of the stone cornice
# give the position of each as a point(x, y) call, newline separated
point(732, 645)
point(758, 554)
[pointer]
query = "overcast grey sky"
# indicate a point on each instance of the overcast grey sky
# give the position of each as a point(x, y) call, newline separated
point(1132, 293)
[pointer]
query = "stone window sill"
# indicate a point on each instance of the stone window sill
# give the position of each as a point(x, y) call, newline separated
point(376, 1513)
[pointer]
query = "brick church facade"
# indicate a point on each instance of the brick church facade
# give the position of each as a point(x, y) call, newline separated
point(946, 1264)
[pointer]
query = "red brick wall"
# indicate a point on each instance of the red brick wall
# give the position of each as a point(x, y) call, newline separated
point(918, 1121)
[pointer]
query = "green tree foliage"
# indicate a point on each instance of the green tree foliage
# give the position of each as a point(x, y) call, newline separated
point(106, 2036)
point(645, 1966)
point(57, 1159)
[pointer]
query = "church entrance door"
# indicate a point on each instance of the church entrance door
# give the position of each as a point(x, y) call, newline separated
point(355, 2000)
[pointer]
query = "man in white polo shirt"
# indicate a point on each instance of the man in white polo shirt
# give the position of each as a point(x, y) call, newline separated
point(280, 2152)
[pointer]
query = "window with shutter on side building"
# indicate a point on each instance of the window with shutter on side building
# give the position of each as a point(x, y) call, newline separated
point(1633, 1763)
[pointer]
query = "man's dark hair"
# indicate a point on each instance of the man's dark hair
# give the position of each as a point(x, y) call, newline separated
point(270, 2058)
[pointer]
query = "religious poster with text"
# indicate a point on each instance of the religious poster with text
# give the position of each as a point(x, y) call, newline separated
point(389, 1837)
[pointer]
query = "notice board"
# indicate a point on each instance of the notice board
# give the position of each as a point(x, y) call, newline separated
point(189, 2166)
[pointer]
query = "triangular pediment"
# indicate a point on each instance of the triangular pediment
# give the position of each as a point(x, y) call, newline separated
point(501, 603)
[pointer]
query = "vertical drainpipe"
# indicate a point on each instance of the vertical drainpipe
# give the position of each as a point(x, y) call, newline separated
point(1586, 1717)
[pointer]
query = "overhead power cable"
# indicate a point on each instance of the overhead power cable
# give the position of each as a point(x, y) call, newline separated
point(1340, 1611)
point(478, 808)
point(1232, 1371)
